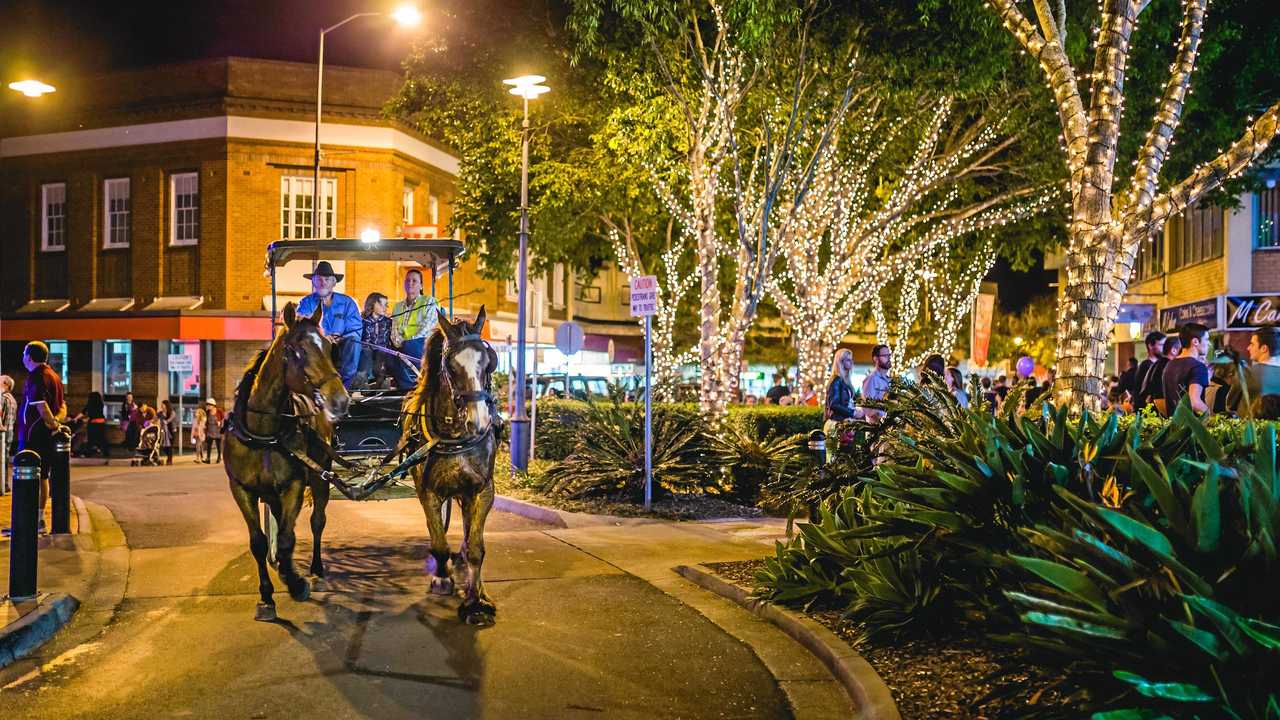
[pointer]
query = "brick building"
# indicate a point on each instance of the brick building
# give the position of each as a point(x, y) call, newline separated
point(1216, 266)
point(135, 209)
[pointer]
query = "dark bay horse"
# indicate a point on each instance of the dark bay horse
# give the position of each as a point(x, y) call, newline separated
point(452, 408)
point(281, 429)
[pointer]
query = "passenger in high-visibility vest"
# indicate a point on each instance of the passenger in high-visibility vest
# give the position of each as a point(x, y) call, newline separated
point(414, 318)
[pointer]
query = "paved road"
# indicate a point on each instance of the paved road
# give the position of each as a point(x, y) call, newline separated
point(576, 636)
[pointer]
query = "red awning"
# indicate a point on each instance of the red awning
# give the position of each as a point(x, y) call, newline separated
point(138, 327)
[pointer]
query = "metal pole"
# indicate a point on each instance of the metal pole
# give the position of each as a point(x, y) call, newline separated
point(60, 483)
point(181, 391)
point(26, 517)
point(520, 423)
point(450, 285)
point(533, 399)
point(648, 413)
point(315, 175)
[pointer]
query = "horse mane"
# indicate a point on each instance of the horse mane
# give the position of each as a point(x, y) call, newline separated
point(419, 399)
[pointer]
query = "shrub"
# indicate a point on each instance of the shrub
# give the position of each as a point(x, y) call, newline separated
point(781, 420)
point(608, 458)
point(750, 461)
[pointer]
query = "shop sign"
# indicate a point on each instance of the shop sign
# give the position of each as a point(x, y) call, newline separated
point(1204, 312)
point(1245, 312)
point(1141, 313)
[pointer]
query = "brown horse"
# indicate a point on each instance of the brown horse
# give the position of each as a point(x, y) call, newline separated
point(281, 427)
point(451, 407)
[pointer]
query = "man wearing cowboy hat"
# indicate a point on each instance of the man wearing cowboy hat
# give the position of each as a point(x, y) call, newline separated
point(341, 321)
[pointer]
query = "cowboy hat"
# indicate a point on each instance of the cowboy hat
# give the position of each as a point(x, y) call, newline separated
point(324, 269)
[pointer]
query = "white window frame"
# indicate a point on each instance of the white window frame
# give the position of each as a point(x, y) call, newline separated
point(174, 210)
point(557, 286)
point(292, 186)
point(433, 210)
point(110, 216)
point(406, 205)
point(46, 244)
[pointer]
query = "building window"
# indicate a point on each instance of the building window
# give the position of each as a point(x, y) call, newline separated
point(53, 217)
point(1150, 262)
point(406, 206)
point(187, 384)
point(115, 209)
point(1195, 236)
point(295, 207)
point(433, 210)
point(117, 367)
point(557, 286)
point(58, 358)
point(1266, 222)
point(184, 208)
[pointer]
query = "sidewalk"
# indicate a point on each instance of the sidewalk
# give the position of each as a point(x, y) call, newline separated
point(6, 513)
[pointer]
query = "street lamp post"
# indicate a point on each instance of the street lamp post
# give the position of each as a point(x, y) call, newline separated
point(528, 87)
point(405, 15)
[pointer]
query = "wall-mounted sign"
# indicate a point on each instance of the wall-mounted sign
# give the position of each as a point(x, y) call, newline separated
point(1204, 312)
point(1245, 312)
point(1141, 313)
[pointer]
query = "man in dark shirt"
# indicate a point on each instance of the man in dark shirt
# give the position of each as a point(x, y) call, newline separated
point(1128, 379)
point(1188, 374)
point(1141, 390)
point(779, 389)
point(1155, 383)
point(42, 406)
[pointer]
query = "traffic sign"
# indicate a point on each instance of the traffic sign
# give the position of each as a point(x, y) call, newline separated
point(180, 363)
point(644, 295)
point(569, 338)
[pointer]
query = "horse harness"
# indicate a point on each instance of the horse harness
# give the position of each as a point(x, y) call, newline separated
point(292, 412)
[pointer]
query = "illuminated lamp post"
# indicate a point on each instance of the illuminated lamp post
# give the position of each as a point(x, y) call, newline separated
point(527, 87)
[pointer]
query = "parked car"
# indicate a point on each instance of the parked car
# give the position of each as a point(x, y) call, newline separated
point(573, 387)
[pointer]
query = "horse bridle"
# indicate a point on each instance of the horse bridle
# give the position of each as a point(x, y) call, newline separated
point(294, 356)
point(468, 396)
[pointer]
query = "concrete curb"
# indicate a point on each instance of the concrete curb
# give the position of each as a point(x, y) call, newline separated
point(868, 693)
point(502, 503)
point(22, 637)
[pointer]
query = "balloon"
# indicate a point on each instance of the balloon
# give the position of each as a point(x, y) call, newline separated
point(1026, 366)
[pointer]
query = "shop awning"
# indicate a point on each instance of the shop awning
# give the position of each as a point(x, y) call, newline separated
point(45, 305)
point(108, 305)
point(175, 302)
point(136, 326)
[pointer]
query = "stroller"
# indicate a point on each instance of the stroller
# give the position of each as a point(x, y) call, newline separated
point(148, 450)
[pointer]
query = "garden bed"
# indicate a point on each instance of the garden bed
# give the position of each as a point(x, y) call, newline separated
point(959, 676)
point(689, 506)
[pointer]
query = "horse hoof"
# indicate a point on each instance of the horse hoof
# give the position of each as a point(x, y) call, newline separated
point(300, 590)
point(441, 586)
point(317, 570)
point(266, 612)
point(318, 584)
point(476, 615)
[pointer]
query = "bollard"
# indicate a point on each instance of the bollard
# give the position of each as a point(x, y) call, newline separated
point(26, 516)
point(818, 449)
point(60, 482)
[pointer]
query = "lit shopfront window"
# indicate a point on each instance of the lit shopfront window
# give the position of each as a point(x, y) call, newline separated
point(117, 367)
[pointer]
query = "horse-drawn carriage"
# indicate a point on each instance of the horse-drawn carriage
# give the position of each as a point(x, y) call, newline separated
point(294, 426)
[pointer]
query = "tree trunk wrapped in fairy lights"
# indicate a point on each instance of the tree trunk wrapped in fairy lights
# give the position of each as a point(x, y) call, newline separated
point(1108, 224)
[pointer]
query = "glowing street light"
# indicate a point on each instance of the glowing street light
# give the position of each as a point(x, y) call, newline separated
point(370, 235)
point(527, 87)
point(406, 15)
point(32, 88)
point(1017, 341)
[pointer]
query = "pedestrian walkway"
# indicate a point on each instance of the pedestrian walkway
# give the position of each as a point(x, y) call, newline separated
point(6, 520)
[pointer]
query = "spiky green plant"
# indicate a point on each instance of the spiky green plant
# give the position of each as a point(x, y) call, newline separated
point(752, 461)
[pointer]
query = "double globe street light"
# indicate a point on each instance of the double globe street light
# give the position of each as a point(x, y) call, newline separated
point(404, 16)
point(527, 87)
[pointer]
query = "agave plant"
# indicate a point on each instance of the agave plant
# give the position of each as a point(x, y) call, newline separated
point(1169, 596)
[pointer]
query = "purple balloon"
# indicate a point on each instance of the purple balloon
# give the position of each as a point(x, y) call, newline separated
point(1026, 366)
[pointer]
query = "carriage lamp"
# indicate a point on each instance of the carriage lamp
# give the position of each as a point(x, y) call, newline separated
point(370, 235)
point(32, 88)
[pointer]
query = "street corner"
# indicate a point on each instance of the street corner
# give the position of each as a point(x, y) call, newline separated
point(30, 623)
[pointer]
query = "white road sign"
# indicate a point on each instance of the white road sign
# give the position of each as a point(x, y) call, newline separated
point(179, 363)
point(644, 295)
point(569, 338)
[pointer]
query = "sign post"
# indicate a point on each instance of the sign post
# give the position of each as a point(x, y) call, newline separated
point(180, 363)
point(644, 303)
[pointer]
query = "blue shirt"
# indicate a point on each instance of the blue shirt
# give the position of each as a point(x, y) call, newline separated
point(340, 318)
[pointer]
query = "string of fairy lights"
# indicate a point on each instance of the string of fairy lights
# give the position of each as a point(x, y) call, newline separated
point(1107, 228)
